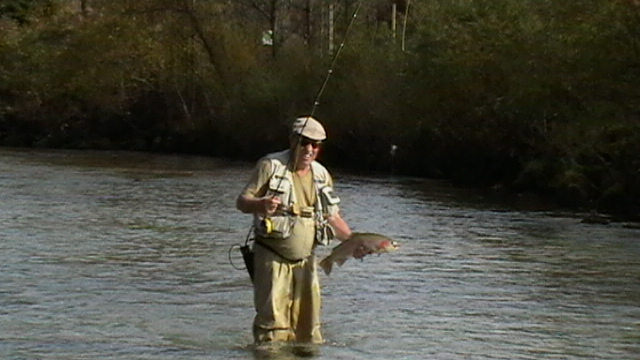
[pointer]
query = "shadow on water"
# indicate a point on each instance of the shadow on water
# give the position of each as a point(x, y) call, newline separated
point(281, 351)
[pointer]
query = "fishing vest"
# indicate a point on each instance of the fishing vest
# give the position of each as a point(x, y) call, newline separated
point(280, 224)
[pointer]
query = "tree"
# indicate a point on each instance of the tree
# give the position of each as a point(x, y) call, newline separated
point(19, 10)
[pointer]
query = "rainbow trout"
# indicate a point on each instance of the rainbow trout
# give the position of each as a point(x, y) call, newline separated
point(370, 243)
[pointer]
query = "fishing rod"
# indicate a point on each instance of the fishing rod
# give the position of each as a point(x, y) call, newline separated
point(245, 250)
point(316, 101)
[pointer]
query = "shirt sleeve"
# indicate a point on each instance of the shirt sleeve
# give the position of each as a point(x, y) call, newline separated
point(259, 180)
point(331, 200)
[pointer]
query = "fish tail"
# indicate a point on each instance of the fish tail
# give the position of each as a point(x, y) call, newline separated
point(326, 265)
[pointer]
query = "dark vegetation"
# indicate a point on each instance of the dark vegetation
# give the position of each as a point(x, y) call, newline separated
point(525, 95)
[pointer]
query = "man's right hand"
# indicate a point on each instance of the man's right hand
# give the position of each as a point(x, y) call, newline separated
point(270, 204)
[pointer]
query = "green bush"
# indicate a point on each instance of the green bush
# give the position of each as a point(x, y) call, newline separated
point(531, 95)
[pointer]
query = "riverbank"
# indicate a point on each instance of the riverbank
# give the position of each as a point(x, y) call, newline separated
point(525, 199)
point(517, 96)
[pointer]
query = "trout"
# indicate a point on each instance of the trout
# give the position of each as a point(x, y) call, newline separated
point(370, 244)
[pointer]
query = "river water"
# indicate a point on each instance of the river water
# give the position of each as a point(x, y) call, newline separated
point(114, 255)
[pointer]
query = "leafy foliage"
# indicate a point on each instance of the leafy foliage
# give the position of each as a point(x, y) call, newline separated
point(531, 94)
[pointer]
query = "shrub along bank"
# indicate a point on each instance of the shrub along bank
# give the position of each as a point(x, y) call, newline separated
point(525, 95)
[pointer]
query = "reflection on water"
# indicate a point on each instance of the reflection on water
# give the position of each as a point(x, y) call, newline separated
point(125, 256)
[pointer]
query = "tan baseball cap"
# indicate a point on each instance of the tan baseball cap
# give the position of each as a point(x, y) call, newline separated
point(309, 128)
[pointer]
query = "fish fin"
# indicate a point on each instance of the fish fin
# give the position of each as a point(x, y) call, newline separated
point(340, 261)
point(326, 265)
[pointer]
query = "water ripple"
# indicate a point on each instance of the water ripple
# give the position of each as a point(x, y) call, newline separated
point(125, 256)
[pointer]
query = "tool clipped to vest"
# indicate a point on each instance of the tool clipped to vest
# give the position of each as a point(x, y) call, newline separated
point(267, 225)
point(280, 224)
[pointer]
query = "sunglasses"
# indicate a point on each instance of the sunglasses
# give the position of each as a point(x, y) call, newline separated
point(314, 143)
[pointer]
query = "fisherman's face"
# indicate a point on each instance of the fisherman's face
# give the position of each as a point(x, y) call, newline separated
point(306, 152)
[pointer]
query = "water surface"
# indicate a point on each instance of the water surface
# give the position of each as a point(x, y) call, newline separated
point(115, 255)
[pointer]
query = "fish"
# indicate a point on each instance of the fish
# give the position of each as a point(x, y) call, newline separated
point(371, 243)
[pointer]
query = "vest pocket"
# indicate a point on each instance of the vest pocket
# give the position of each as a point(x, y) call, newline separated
point(275, 227)
point(279, 184)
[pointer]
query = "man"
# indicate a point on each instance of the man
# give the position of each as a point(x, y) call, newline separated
point(290, 195)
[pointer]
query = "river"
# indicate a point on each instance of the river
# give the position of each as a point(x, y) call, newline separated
point(118, 255)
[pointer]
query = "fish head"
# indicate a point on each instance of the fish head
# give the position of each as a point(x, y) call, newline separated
point(373, 243)
point(388, 246)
